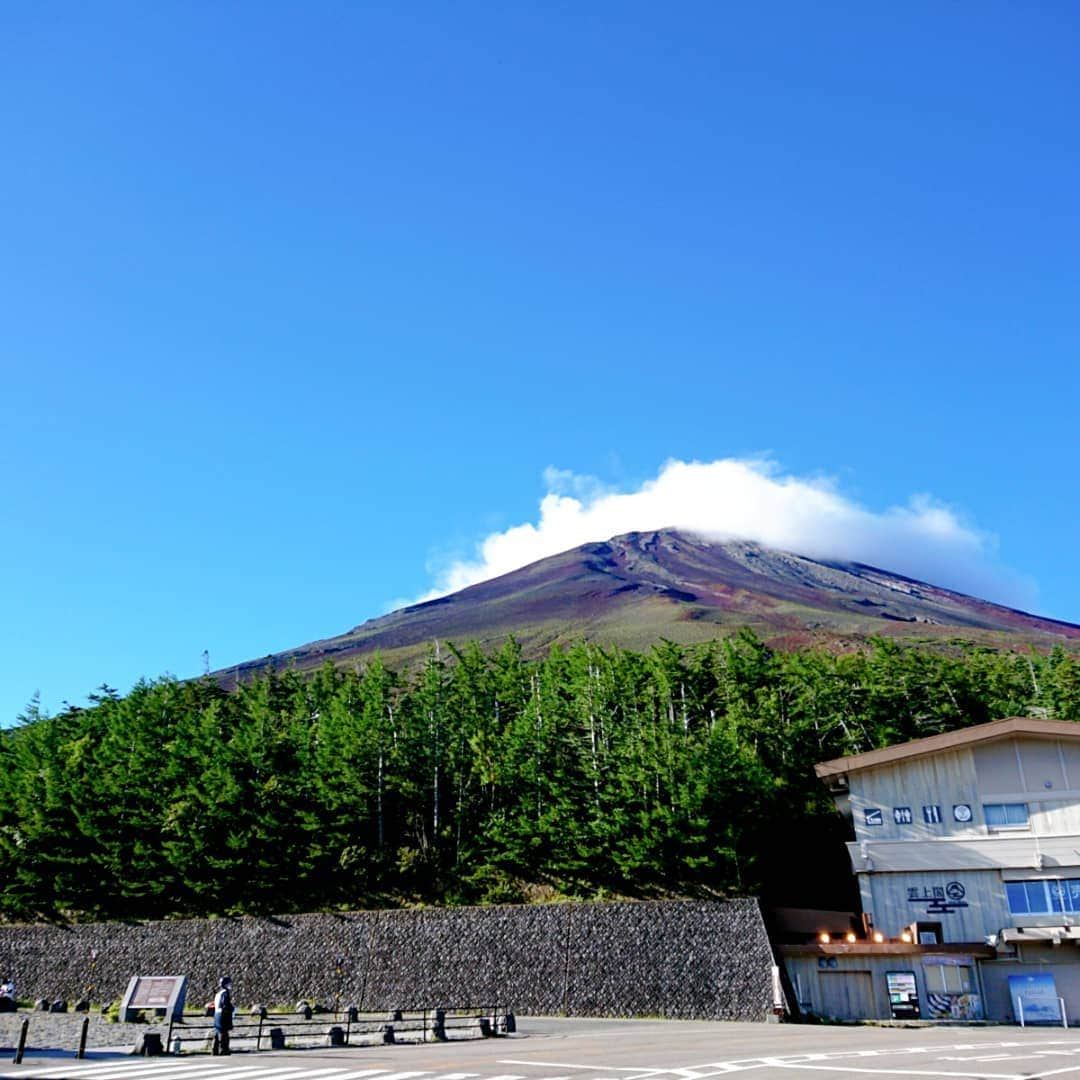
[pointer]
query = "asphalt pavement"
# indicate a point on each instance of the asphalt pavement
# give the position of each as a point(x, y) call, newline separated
point(574, 1049)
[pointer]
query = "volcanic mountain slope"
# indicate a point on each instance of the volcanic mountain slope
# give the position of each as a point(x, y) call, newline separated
point(635, 589)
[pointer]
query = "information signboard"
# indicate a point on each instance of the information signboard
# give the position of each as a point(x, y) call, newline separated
point(1035, 999)
point(160, 994)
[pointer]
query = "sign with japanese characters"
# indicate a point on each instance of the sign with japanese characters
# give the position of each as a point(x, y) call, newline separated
point(939, 899)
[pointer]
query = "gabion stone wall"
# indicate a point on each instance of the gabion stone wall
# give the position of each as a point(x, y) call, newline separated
point(707, 960)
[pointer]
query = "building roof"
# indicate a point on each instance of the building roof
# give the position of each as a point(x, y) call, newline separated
point(997, 729)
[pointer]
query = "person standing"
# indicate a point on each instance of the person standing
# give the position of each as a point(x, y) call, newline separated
point(223, 1015)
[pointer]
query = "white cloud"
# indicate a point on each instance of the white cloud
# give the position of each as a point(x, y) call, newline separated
point(753, 500)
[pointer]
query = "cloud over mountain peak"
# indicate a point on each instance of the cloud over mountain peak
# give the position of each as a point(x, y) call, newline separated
point(751, 499)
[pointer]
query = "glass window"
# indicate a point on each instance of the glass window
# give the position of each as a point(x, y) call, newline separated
point(1043, 897)
point(1016, 891)
point(1057, 896)
point(1003, 815)
point(948, 978)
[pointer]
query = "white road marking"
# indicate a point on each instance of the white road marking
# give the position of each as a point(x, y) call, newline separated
point(976, 1057)
point(335, 1073)
point(361, 1074)
point(643, 1070)
point(98, 1067)
point(222, 1071)
point(888, 1064)
point(219, 1071)
point(781, 1064)
point(106, 1070)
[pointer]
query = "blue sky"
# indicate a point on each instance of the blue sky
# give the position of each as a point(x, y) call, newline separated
point(301, 303)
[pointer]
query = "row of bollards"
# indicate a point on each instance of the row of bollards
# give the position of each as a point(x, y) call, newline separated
point(24, 1027)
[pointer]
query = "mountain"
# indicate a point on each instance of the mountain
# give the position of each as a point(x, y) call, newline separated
point(635, 589)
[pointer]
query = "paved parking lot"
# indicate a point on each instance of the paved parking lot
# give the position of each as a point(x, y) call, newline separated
point(561, 1049)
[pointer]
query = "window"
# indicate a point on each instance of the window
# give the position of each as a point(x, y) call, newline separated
point(1006, 815)
point(1043, 897)
point(928, 933)
point(948, 978)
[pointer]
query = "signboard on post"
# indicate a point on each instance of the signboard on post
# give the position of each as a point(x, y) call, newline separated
point(1035, 999)
point(161, 994)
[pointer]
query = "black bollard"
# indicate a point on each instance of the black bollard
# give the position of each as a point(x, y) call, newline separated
point(81, 1052)
point(438, 1026)
point(149, 1044)
point(22, 1040)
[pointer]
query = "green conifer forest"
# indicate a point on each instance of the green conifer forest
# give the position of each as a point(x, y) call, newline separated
point(477, 778)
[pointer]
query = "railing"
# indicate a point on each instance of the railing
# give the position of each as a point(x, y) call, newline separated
point(278, 1031)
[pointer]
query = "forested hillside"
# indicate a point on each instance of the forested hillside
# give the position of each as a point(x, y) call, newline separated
point(684, 771)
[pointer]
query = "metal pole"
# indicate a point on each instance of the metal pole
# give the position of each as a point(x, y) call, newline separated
point(81, 1052)
point(1064, 1018)
point(22, 1040)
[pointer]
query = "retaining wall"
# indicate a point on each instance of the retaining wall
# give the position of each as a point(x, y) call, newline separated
point(683, 959)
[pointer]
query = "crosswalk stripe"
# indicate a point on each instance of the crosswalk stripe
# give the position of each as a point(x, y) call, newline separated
point(302, 1074)
point(361, 1074)
point(282, 1072)
point(165, 1070)
point(96, 1068)
point(219, 1070)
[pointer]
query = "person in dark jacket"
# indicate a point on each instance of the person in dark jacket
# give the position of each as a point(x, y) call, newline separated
point(223, 1015)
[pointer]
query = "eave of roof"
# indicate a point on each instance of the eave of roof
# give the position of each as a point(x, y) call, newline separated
point(868, 949)
point(934, 744)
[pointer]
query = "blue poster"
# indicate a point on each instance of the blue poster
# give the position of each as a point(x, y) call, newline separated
point(1035, 999)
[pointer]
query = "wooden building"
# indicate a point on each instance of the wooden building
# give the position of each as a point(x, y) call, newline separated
point(967, 854)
